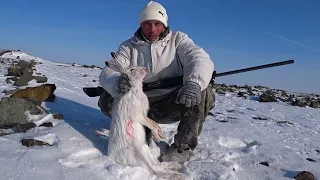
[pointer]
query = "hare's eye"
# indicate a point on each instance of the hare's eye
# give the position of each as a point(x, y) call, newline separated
point(131, 70)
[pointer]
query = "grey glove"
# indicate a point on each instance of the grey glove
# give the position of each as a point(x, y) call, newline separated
point(189, 94)
point(123, 84)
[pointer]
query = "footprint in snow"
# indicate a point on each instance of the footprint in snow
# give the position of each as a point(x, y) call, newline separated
point(251, 147)
point(82, 157)
point(231, 142)
point(237, 143)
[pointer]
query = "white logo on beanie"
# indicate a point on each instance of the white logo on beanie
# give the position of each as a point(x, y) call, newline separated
point(154, 11)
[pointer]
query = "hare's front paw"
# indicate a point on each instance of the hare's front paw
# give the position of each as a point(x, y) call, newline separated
point(157, 134)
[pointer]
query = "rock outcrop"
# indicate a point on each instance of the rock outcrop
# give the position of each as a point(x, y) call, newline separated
point(265, 95)
point(41, 93)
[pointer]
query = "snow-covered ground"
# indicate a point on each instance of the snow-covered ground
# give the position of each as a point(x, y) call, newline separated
point(241, 134)
point(21, 55)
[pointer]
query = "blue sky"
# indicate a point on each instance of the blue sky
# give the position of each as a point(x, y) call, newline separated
point(237, 34)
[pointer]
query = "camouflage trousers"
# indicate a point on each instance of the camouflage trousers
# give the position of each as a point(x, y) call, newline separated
point(167, 111)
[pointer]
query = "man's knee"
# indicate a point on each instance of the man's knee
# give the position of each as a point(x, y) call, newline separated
point(105, 103)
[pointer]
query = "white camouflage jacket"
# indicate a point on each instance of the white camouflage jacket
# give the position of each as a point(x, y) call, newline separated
point(173, 55)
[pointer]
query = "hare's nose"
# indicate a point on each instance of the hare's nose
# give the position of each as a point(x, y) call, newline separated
point(145, 69)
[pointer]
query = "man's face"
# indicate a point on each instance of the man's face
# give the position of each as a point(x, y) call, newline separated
point(152, 29)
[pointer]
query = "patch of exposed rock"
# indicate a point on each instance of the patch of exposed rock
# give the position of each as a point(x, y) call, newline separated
point(22, 108)
point(305, 175)
point(41, 93)
point(33, 142)
point(265, 94)
point(21, 67)
point(15, 110)
point(22, 73)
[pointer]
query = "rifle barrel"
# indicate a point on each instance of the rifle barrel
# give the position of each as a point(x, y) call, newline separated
point(255, 68)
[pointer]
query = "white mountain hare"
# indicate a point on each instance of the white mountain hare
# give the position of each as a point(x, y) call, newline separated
point(127, 139)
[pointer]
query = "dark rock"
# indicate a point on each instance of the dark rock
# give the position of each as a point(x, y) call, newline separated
point(241, 94)
point(47, 124)
point(284, 93)
point(27, 64)
point(267, 96)
point(307, 100)
point(305, 175)
point(250, 91)
point(317, 150)
point(14, 71)
point(85, 75)
point(231, 111)
point(260, 118)
point(231, 89)
point(51, 98)
point(285, 122)
point(41, 79)
point(260, 87)
point(8, 81)
point(299, 103)
point(94, 80)
point(230, 117)
point(315, 104)
point(210, 113)
point(11, 80)
point(309, 159)
point(23, 127)
point(33, 142)
point(58, 116)
point(40, 93)
point(8, 125)
point(12, 110)
point(24, 79)
point(221, 91)
point(20, 68)
point(264, 163)
point(223, 121)
point(290, 98)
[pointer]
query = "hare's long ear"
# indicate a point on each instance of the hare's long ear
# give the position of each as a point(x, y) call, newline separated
point(120, 65)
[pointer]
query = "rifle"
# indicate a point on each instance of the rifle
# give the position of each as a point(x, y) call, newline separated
point(175, 81)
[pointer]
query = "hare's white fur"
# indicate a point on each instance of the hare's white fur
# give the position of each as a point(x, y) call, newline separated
point(127, 143)
point(127, 138)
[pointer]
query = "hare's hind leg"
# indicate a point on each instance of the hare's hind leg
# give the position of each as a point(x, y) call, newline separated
point(145, 156)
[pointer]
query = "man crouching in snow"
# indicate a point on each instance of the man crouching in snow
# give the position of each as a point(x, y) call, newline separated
point(167, 55)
